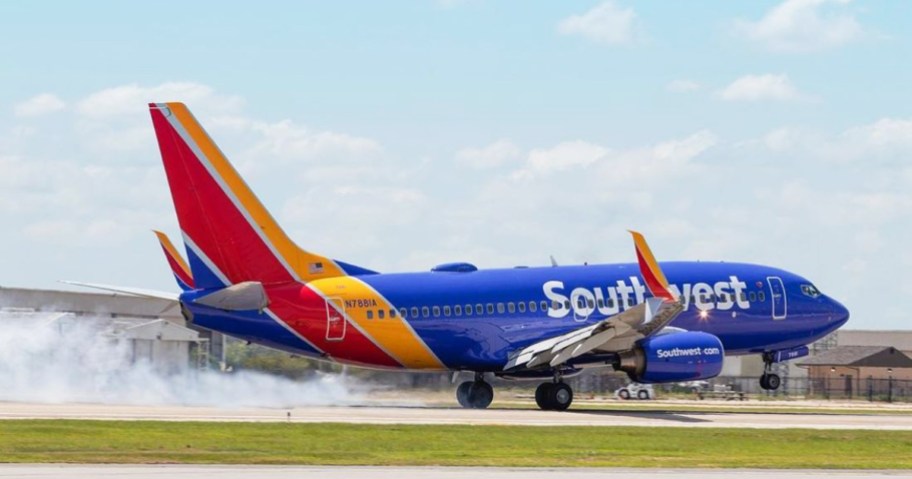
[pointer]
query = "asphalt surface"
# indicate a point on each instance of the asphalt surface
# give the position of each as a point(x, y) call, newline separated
point(426, 415)
point(68, 471)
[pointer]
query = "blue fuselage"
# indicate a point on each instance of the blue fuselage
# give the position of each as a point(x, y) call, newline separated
point(750, 308)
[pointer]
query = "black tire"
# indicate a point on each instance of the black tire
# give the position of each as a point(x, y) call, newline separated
point(642, 394)
point(480, 395)
point(542, 393)
point(773, 381)
point(624, 394)
point(462, 394)
point(560, 396)
point(763, 382)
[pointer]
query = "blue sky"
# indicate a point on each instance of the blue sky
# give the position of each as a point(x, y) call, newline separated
point(400, 135)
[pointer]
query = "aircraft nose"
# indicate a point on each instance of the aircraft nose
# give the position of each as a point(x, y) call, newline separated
point(840, 312)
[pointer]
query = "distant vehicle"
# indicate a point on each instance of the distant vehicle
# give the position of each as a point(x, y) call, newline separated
point(636, 390)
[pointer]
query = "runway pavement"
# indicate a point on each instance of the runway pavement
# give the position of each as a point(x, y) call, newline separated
point(53, 471)
point(440, 415)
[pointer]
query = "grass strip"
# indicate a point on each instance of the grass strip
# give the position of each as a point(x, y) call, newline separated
point(146, 442)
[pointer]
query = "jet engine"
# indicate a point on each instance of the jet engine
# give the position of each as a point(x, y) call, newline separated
point(673, 357)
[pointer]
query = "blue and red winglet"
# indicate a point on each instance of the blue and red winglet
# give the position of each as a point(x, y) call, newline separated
point(649, 268)
point(178, 266)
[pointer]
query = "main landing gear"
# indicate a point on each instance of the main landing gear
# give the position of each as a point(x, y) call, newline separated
point(476, 394)
point(554, 396)
point(769, 380)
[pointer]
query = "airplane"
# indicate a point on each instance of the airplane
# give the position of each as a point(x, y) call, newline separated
point(658, 322)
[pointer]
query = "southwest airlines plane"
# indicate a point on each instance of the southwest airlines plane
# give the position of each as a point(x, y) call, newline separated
point(656, 322)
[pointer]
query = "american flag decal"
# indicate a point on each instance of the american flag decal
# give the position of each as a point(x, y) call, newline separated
point(315, 268)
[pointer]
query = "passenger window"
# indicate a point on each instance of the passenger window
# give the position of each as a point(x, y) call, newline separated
point(743, 296)
point(610, 302)
point(446, 311)
point(761, 296)
point(533, 306)
point(370, 314)
point(468, 310)
point(490, 308)
point(392, 313)
point(522, 306)
point(425, 311)
point(753, 296)
point(457, 310)
point(500, 308)
point(511, 308)
point(381, 313)
point(567, 304)
point(544, 306)
point(580, 303)
point(414, 312)
point(403, 312)
point(601, 303)
point(555, 305)
point(436, 311)
point(479, 309)
point(591, 303)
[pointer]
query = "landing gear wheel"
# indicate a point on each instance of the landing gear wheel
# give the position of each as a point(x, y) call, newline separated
point(480, 395)
point(542, 392)
point(462, 394)
point(773, 382)
point(553, 396)
point(770, 381)
point(560, 397)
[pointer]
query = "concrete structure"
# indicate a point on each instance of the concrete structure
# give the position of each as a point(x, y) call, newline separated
point(156, 330)
point(859, 370)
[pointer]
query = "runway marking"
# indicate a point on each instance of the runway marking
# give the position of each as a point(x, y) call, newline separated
point(441, 416)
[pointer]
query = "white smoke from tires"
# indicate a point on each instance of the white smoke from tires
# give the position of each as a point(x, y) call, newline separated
point(74, 361)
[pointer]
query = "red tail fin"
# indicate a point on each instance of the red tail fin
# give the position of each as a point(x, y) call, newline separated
point(230, 237)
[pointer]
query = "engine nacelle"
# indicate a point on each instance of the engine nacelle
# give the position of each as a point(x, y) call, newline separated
point(674, 357)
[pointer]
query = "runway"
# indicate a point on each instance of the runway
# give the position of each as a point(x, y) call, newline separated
point(443, 415)
point(54, 471)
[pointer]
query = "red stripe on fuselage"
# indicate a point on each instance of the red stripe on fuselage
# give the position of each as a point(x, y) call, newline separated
point(305, 311)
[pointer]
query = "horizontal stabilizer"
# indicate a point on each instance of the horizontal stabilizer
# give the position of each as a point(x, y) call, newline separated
point(246, 296)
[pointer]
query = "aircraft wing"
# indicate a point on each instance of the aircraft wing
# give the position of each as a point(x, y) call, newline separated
point(615, 334)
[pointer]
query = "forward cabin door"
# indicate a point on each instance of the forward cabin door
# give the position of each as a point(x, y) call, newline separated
point(777, 294)
point(335, 319)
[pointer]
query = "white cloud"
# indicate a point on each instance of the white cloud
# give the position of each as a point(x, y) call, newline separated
point(682, 86)
point(884, 139)
point(605, 23)
point(491, 156)
point(133, 99)
point(562, 157)
point(40, 105)
point(803, 26)
point(760, 88)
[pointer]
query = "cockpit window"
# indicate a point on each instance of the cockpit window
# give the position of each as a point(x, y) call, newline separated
point(809, 290)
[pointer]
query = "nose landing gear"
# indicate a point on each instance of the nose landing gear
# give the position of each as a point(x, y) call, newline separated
point(769, 381)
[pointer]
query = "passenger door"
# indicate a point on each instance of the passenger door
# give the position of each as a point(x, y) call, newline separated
point(778, 298)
